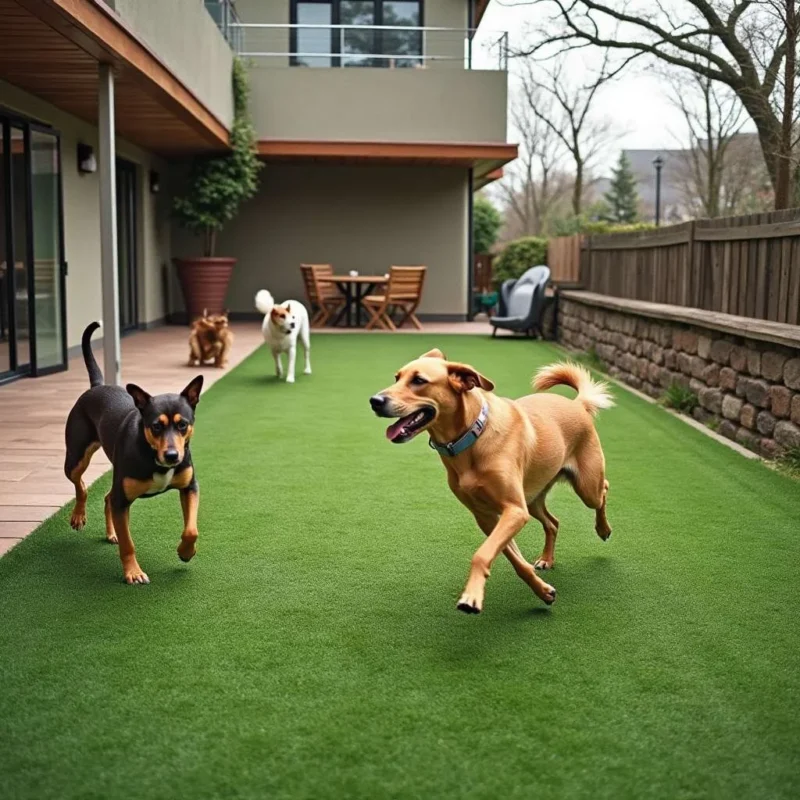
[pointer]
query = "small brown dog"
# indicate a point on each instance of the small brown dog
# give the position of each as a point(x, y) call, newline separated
point(210, 339)
point(503, 456)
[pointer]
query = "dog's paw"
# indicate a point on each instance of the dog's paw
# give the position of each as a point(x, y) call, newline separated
point(604, 532)
point(78, 520)
point(186, 551)
point(546, 593)
point(469, 604)
point(307, 371)
point(290, 379)
point(111, 538)
point(543, 563)
point(135, 576)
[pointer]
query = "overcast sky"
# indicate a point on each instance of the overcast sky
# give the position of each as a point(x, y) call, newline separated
point(637, 102)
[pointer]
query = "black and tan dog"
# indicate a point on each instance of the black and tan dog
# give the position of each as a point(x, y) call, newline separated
point(147, 441)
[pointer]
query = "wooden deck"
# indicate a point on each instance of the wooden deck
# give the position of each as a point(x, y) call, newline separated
point(33, 412)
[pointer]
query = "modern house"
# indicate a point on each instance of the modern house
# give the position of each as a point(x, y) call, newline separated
point(377, 119)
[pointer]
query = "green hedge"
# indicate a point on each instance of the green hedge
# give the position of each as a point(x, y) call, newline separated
point(519, 256)
point(486, 224)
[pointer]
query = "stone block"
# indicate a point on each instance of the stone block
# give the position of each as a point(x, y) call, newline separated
point(748, 416)
point(654, 373)
point(697, 365)
point(772, 364)
point(732, 406)
point(710, 374)
point(787, 434)
point(738, 358)
point(696, 386)
point(780, 401)
point(657, 355)
point(721, 351)
point(701, 415)
point(795, 412)
point(711, 399)
point(727, 378)
point(685, 363)
point(753, 361)
point(741, 386)
point(765, 423)
point(768, 448)
point(758, 392)
point(791, 373)
point(748, 439)
point(704, 346)
point(728, 429)
point(690, 342)
point(670, 359)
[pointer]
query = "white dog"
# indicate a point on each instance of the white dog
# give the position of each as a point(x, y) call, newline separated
point(283, 324)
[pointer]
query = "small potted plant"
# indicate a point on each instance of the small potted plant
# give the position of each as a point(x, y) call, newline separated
point(217, 186)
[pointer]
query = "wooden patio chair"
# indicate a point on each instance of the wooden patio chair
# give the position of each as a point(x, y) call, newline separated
point(323, 296)
point(403, 292)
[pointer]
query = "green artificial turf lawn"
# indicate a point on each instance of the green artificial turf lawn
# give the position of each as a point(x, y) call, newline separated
point(313, 649)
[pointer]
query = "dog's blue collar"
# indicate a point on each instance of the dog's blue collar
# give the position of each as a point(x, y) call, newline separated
point(467, 440)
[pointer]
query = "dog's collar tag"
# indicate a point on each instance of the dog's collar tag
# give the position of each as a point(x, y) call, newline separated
point(467, 440)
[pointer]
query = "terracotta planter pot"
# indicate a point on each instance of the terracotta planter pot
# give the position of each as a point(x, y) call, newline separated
point(204, 282)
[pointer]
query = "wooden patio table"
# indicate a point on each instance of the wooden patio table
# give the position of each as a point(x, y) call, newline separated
point(354, 288)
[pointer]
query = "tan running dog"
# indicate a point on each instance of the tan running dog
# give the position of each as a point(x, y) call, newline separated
point(503, 456)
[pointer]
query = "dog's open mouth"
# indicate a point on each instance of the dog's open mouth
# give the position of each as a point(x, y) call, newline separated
point(406, 428)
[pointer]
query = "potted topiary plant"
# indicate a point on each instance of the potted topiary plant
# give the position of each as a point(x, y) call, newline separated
point(217, 186)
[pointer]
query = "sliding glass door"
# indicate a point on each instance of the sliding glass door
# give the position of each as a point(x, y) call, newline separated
point(32, 299)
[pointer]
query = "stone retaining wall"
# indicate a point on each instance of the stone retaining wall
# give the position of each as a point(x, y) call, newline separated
point(748, 390)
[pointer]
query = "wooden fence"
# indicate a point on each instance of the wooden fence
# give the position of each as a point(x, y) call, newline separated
point(748, 266)
point(564, 258)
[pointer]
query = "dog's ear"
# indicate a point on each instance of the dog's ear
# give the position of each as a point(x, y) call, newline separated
point(140, 397)
point(435, 353)
point(463, 378)
point(192, 391)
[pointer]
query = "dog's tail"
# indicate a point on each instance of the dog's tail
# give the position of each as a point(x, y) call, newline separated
point(264, 302)
point(95, 376)
point(593, 394)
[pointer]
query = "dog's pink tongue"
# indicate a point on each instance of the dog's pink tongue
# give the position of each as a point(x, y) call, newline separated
point(393, 431)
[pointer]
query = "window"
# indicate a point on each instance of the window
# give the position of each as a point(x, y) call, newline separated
point(350, 47)
point(312, 40)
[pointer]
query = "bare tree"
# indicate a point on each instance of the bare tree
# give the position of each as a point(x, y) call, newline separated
point(714, 116)
point(753, 51)
point(535, 184)
point(568, 114)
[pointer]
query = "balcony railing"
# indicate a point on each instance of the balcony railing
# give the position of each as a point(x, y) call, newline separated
point(224, 14)
point(387, 46)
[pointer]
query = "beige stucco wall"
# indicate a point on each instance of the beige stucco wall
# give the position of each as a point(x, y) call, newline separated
point(82, 217)
point(183, 35)
point(355, 217)
point(392, 105)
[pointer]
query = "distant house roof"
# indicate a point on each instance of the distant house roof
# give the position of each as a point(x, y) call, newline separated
point(644, 171)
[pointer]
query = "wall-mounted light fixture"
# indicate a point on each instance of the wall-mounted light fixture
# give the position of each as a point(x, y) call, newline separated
point(87, 163)
point(155, 182)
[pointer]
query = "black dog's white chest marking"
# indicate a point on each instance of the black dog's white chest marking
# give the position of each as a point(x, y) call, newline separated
point(160, 482)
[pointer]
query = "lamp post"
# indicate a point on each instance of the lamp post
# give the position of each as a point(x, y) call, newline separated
point(658, 163)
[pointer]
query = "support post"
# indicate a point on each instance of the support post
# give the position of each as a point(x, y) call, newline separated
point(107, 165)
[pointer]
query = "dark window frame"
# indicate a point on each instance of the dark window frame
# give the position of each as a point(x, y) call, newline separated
point(11, 118)
point(335, 6)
